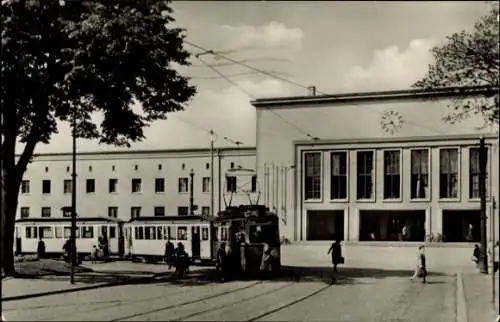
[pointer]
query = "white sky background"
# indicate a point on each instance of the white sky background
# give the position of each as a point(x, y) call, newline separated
point(337, 46)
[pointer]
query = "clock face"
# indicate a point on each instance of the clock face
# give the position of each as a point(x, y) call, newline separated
point(391, 121)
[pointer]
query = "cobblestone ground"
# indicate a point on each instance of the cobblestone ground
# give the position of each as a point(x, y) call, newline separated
point(355, 296)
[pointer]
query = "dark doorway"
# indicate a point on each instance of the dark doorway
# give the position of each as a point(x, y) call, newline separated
point(461, 226)
point(392, 225)
point(325, 224)
point(195, 242)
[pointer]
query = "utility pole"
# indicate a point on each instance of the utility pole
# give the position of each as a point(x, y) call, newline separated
point(219, 178)
point(483, 159)
point(493, 250)
point(212, 192)
point(191, 193)
point(73, 199)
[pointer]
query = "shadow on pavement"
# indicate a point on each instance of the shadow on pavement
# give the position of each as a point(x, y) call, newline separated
point(200, 277)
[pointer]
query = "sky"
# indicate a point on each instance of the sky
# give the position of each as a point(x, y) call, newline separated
point(336, 46)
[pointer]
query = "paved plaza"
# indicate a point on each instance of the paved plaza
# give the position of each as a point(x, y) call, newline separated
point(363, 291)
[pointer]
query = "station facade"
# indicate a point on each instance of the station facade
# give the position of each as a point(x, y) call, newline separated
point(378, 166)
point(129, 184)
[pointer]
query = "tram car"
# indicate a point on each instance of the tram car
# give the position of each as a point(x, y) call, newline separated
point(146, 237)
point(247, 229)
point(56, 231)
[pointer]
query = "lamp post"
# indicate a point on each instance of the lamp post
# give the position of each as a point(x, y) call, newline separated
point(212, 192)
point(191, 193)
point(73, 199)
point(483, 258)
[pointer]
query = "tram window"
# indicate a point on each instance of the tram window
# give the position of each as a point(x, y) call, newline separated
point(204, 233)
point(28, 232)
point(263, 233)
point(59, 232)
point(216, 233)
point(159, 232)
point(67, 232)
point(182, 233)
point(46, 232)
point(35, 232)
point(112, 232)
point(172, 233)
point(87, 232)
point(223, 233)
point(139, 233)
point(147, 233)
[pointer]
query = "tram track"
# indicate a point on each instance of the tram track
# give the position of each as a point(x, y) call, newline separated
point(198, 300)
point(293, 302)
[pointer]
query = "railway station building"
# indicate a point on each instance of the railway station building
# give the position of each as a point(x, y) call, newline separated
point(129, 184)
point(377, 166)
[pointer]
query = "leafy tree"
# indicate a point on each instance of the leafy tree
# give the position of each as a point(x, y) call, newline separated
point(469, 59)
point(82, 57)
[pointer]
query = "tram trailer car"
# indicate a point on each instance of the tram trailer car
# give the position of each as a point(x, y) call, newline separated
point(56, 231)
point(259, 226)
point(147, 237)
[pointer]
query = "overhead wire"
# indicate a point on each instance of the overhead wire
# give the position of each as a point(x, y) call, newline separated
point(216, 54)
point(229, 80)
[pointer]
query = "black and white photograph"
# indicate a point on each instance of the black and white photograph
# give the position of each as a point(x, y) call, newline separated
point(250, 160)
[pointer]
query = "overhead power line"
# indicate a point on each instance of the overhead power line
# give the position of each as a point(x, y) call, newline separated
point(250, 95)
point(216, 54)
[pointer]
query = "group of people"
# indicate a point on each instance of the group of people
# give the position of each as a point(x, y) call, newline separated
point(420, 268)
point(177, 257)
point(493, 251)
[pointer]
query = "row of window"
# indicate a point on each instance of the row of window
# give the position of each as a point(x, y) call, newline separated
point(365, 174)
point(48, 232)
point(135, 212)
point(136, 167)
point(166, 232)
point(136, 185)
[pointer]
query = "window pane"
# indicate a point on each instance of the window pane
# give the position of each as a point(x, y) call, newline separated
point(312, 165)
point(448, 177)
point(365, 175)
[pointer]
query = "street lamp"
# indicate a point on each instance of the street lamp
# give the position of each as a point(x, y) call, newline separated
point(191, 194)
point(212, 140)
point(483, 258)
point(73, 198)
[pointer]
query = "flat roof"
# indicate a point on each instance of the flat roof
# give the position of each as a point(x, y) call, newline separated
point(139, 152)
point(442, 92)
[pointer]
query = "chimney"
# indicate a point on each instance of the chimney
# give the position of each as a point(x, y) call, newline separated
point(311, 90)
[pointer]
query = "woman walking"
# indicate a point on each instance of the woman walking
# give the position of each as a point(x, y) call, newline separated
point(421, 267)
point(336, 251)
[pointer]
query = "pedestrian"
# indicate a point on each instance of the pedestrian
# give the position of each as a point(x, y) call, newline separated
point(221, 262)
point(476, 254)
point(404, 233)
point(421, 266)
point(181, 260)
point(41, 248)
point(169, 253)
point(266, 261)
point(95, 254)
point(336, 251)
point(493, 253)
point(67, 251)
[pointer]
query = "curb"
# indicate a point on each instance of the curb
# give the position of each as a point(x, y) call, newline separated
point(76, 289)
point(460, 296)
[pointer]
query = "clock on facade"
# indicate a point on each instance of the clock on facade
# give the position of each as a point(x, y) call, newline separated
point(391, 121)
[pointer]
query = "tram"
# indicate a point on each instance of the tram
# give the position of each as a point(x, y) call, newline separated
point(146, 237)
point(56, 231)
point(247, 230)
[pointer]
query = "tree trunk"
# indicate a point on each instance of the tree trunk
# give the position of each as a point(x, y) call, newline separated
point(10, 192)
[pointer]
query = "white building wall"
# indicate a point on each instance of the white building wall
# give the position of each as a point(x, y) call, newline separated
point(96, 204)
point(283, 131)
